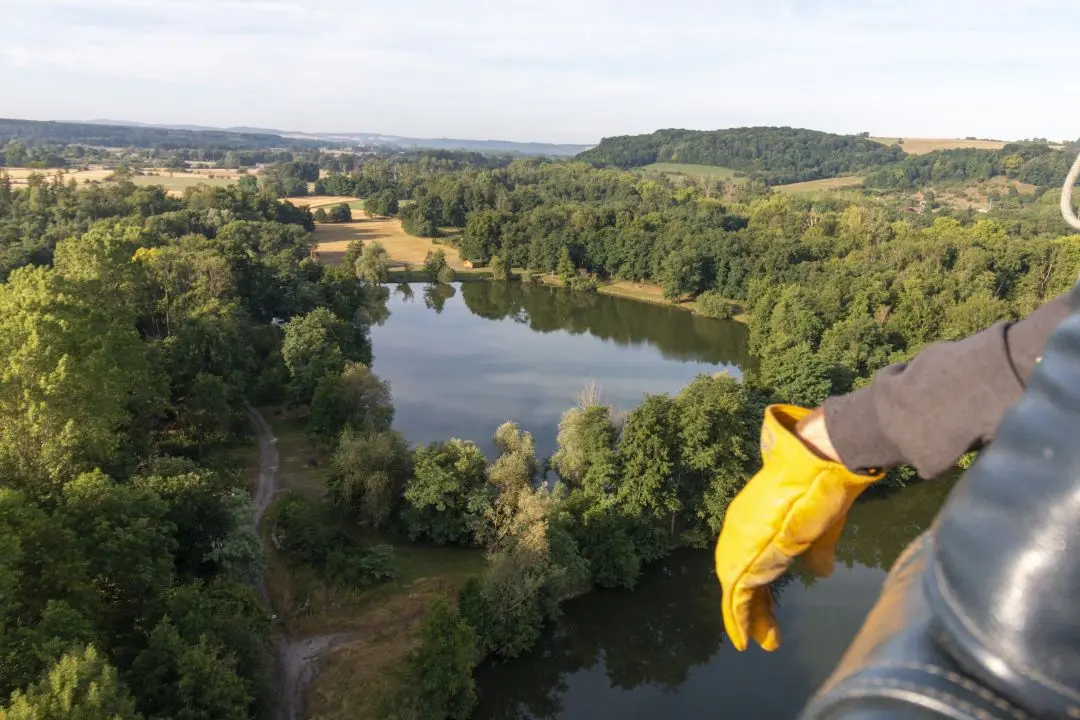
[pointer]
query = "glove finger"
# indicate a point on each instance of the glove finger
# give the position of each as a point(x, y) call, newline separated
point(736, 609)
point(763, 626)
point(820, 557)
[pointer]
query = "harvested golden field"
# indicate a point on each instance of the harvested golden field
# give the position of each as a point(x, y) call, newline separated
point(333, 240)
point(317, 201)
point(921, 146)
point(19, 175)
point(823, 184)
point(174, 182)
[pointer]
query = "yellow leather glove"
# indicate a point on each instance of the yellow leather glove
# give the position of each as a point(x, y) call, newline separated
point(796, 503)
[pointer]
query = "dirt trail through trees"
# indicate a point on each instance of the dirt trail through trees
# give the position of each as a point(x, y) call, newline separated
point(296, 660)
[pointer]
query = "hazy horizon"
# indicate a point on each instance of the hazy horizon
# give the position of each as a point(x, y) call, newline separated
point(565, 73)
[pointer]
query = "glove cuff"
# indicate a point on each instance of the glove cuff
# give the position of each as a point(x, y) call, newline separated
point(780, 442)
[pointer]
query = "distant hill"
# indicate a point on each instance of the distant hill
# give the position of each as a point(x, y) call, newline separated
point(380, 140)
point(135, 135)
point(780, 155)
point(1034, 163)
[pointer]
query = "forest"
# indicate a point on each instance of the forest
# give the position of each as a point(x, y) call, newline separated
point(35, 131)
point(1036, 163)
point(776, 154)
point(136, 326)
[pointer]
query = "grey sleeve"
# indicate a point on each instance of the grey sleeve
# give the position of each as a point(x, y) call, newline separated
point(945, 402)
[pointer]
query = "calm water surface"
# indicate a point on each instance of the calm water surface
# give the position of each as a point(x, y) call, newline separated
point(660, 650)
point(463, 358)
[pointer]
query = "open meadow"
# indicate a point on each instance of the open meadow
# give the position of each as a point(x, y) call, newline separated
point(174, 182)
point(373, 629)
point(333, 240)
point(821, 185)
point(714, 171)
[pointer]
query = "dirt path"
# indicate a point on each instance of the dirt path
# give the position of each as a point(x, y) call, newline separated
point(268, 464)
point(297, 659)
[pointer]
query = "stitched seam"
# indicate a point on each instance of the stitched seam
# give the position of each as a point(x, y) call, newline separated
point(941, 695)
point(1030, 673)
point(957, 679)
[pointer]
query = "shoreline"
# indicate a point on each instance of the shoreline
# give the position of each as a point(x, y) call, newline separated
point(640, 292)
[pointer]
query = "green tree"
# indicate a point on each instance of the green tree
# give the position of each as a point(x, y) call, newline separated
point(500, 268)
point(441, 668)
point(187, 681)
point(649, 452)
point(339, 213)
point(798, 375)
point(81, 685)
point(77, 378)
point(447, 498)
point(586, 453)
point(434, 262)
point(124, 533)
point(719, 424)
point(480, 239)
point(315, 345)
point(374, 264)
point(369, 475)
point(197, 510)
point(382, 203)
point(357, 398)
point(565, 268)
point(423, 217)
point(712, 304)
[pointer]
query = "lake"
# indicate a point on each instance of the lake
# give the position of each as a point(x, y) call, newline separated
point(659, 651)
point(463, 358)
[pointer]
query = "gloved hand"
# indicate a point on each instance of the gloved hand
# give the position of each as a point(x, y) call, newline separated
point(796, 503)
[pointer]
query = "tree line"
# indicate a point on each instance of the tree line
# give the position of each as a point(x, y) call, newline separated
point(135, 324)
point(777, 154)
point(141, 136)
point(133, 327)
point(1036, 163)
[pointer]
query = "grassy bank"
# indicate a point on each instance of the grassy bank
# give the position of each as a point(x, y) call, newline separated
point(380, 624)
point(407, 253)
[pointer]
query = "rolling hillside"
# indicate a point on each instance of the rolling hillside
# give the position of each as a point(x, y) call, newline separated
point(780, 155)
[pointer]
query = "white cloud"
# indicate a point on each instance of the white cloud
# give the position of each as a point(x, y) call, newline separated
point(561, 70)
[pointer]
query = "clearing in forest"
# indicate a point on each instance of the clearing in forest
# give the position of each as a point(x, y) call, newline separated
point(823, 184)
point(378, 626)
point(173, 182)
point(323, 201)
point(921, 146)
point(333, 240)
point(715, 171)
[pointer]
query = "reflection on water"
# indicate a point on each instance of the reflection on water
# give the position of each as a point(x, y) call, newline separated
point(462, 359)
point(660, 651)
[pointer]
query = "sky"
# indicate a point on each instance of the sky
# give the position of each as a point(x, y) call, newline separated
point(550, 70)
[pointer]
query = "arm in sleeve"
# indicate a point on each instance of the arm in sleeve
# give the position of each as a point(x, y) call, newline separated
point(945, 402)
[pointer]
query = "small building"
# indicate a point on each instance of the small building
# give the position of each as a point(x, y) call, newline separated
point(475, 263)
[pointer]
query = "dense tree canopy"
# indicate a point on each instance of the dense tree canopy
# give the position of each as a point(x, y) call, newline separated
point(779, 154)
point(134, 325)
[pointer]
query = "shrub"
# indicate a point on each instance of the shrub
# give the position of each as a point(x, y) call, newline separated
point(446, 274)
point(584, 283)
point(711, 304)
point(441, 668)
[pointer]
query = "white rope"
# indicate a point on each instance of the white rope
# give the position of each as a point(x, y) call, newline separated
point(1067, 211)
